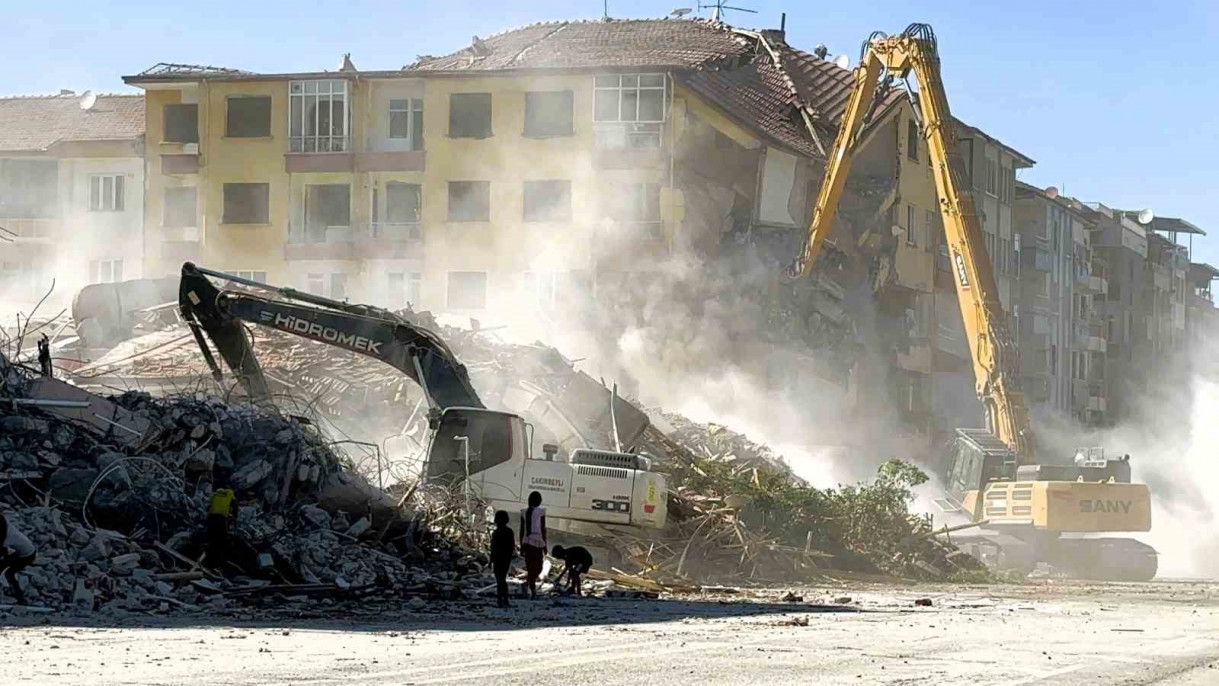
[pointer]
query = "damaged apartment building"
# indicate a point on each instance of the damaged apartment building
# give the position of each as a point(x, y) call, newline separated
point(71, 193)
point(585, 177)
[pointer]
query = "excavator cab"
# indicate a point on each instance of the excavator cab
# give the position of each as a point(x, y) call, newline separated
point(467, 441)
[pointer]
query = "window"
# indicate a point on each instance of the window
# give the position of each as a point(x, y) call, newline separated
point(1053, 359)
point(338, 286)
point(467, 290)
point(1006, 184)
point(629, 109)
point(469, 201)
point(318, 116)
point(547, 201)
point(106, 193)
point(912, 139)
point(638, 206)
point(992, 177)
point(315, 284)
point(406, 121)
point(179, 207)
point(549, 114)
point(256, 275)
point(539, 289)
point(910, 227)
point(402, 202)
point(181, 123)
point(105, 271)
point(327, 206)
point(248, 116)
point(246, 203)
point(404, 289)
point(31, 189)
point(932, 234)
point(470, 115)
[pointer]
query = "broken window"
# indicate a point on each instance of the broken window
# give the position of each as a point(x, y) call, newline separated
point(248, 116)
point(315, 284)
point(470, 115)
point(406, 121)
point(179, 207)
point(403, 203)
point(181, 123)
point(547, 201)
point(467, 290)
point(404, 289)
point(338, 286)
point(105, 271)
point(629, 109)
point(318, 116)
point(106, 193)
point(327, 207)
point(246, 203)
point(912, 139)
point(469, 201)
point(549, 114)
point(637, 206)
point(539, 289)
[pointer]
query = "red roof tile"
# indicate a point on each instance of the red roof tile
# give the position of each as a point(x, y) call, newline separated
point(616, 43)
point(36, 123)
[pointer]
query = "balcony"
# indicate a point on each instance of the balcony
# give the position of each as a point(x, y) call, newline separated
point(390, 241)
point(915, 268)
point(1098, 284)
point(1097, 404)
point(1036, 259)
point(318, 162)
point(30, 231)
point(391, 161)
point(917, 358)
point(336, 243)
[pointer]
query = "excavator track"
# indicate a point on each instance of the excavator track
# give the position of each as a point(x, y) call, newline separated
point(1104, 559)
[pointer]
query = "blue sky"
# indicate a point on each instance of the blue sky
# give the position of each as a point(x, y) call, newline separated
point(1115, 100)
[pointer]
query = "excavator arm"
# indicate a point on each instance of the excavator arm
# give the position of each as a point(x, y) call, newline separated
point(382, 335)
point(884, 60)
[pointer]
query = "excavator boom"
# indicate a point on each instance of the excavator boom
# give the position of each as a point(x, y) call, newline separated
point(380, 334)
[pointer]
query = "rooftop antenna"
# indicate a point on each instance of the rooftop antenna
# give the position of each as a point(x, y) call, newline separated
point(842, 61)
point(88, 101)
point(680, 12)
point(1146, 216)
point(717, 8)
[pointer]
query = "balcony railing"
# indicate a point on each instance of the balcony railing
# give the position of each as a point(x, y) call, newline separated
point(396, 231)
point(29, 230)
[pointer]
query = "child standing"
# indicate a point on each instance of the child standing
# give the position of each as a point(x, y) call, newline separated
point(503, 549)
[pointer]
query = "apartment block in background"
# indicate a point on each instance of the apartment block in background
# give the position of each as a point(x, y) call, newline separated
point(71, 193)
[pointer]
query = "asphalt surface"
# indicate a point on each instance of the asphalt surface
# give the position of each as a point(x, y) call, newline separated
point(1066, 633)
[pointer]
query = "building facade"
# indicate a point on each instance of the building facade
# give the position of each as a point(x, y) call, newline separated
point(71, 194)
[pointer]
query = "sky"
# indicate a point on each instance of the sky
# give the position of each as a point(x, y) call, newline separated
point(1115, 100)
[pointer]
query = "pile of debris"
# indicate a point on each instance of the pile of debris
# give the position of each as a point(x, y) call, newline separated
point(738, 515)
point(114, 495)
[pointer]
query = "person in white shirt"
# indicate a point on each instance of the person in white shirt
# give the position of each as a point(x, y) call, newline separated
point(533, 541)
point(16, 554)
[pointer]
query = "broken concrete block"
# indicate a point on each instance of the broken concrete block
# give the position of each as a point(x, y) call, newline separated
point(123, 565)
point(72, 485)
point(83, 597)
point(284, 437)
point(97, 549)
point(417, 603)
point(251, 474)
point(359, 527)
point(316, 516)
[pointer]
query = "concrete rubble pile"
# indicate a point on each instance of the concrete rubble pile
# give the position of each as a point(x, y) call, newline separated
point(114, 494)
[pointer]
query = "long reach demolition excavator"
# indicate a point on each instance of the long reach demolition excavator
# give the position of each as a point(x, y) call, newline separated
point(488, 451)
point(1035, 510)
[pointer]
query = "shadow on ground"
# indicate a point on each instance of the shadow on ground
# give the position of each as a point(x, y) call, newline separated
point(476, 615)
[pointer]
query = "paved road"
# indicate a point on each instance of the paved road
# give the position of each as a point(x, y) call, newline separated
point(1164, 633)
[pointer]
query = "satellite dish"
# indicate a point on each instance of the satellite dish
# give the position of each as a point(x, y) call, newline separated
point(88, 101)
point(1146, 216)
point(1051, 192)
point(680, 12)
point(842, 61)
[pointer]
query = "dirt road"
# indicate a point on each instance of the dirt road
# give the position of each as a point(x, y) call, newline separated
point(1163, 633)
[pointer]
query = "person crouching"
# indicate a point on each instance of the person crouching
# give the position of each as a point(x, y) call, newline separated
point(578, 560)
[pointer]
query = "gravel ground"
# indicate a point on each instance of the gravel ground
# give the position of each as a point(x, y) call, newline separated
point(1064, 633)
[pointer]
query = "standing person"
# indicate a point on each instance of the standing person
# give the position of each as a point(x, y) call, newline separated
point(44, 356)
point(578, 560)
point(533, 541)
point(16, 554)
point(221, 510)
point(503, 549)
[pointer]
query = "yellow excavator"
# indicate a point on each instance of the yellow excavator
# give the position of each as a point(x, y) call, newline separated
point(1035, 510)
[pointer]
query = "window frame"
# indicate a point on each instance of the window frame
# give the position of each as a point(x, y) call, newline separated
point(637, 205)
point(224, 203)
point(912, 138)
point(559, 212)
point(113, 275)
point(100, 200)
point(490, 116)
point(298, 91)
point(228, 115)
point(638, 89)
point(911, 225)
point(413, 109)
point(249, 274)
point(165, 109)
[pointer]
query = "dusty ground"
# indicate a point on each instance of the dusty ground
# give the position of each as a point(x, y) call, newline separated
point(1162, 633)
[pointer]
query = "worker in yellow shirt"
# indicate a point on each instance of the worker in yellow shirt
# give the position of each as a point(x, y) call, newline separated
point(221, 511)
